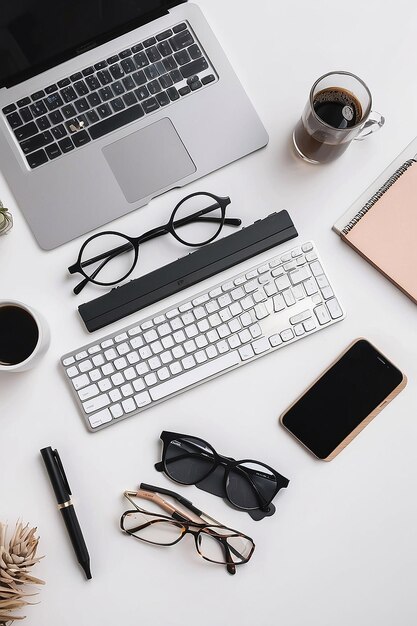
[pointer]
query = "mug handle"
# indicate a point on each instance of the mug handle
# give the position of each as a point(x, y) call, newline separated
point(374, 122)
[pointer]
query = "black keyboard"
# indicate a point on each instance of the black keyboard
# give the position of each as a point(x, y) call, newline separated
point(114, 92)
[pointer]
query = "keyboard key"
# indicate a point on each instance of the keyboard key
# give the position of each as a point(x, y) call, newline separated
point(80, 381)
point(104, 111)
point(53, 151)
point(117, 105)
point(56, 117)
point(199, 65)
point(38, 108)
point(137, 48)
point(139, 78)
point(182, 57)
point(116, 121)
point(99, 418)
point(94, 99)
point(164, 35)
point(118, 88)
point(94, 404)
point(129, 99)
point(93, 82)
point(88, 71)
point(142, 399)
point(66, 145)
point(184, 90)
point(106, 94)
point(125, 53)
point(116, 71)
point(81, 88)
point(81, 105)
point(322, 314)
point(81, 138)
point(76, 76)
point(153, 54)
point(181, 40)
point(21, 103)
point(128, 83)
point(334, 308)
point(24, 132)
point(260, 345)
point(116, 410)
point(141, 60)
point(12, 107)
point(142, 93)
point(309, 324)
point(104, 77)
point(69, 111)
point(149, 42)
point(14, 120)
point(163, 98)
point(166, 81)
point(38, 95)
point(68, 94)
point(36, 142)
point(151, 72)
point(173, 94)
point(164, 48)
point(64, 82)
point(128, 66)
point(154, 87)
point(92, 117)
point(170, 64)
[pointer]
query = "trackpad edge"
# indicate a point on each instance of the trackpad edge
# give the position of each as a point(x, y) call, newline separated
point(149, 160)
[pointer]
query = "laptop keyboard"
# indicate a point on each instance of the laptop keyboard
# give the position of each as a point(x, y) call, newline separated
point(109, 94)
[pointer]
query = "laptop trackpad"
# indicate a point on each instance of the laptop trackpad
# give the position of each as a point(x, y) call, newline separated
point(149, 160)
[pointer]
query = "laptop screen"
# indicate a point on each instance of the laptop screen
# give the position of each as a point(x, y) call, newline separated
point(38, 34)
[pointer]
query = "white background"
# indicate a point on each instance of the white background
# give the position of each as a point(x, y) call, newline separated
point(341, 548)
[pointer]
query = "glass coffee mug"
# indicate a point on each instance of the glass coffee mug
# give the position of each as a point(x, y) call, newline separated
point(24, 336)
point(338, 111)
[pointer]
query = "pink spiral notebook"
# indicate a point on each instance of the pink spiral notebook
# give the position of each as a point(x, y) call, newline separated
point(384, 229)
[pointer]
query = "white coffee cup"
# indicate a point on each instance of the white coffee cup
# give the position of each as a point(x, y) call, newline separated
point(42, 342)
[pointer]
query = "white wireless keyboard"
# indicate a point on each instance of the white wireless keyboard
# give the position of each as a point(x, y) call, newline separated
point(256, 312)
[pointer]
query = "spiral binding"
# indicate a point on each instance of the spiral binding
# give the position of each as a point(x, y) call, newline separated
point(377, 195)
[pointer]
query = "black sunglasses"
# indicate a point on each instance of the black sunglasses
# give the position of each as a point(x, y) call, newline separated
point(110, 257)
point(247, 484)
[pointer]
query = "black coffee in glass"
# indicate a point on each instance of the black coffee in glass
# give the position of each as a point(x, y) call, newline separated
point(338, 110)
point(19, 334)
point(337, 107)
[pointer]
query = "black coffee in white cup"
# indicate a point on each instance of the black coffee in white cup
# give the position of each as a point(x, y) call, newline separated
point(24, 336)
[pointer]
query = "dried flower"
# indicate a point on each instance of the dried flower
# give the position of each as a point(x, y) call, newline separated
point(16, 560)
point(6, 219)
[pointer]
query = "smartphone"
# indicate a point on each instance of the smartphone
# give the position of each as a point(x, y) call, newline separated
point(343, 400)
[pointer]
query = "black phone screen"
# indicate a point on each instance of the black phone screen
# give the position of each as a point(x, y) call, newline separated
point(342, 398)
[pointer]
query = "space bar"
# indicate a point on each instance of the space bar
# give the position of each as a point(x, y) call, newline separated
point(116, 121)
point(195, 376)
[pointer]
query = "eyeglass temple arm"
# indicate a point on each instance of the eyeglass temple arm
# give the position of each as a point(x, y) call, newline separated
point(167, 492)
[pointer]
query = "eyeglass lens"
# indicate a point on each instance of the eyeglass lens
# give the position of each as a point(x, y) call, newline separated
point(188, 460)
point(104, 260)
point(152, 529)
point(202, 229)
point(211, 542)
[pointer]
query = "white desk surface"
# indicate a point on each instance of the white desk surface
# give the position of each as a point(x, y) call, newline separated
point(341, 548)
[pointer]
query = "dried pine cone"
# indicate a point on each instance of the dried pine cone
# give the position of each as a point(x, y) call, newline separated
point(15, 562)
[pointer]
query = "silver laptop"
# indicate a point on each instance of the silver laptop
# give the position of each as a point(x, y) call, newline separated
point(105, 105)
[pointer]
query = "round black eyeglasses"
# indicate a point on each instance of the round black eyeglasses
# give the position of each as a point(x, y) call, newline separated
point(110, 257)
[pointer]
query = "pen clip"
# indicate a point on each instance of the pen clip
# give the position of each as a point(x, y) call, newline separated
point(62, 471)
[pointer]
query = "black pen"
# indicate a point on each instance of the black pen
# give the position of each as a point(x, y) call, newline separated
point(63, 492)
